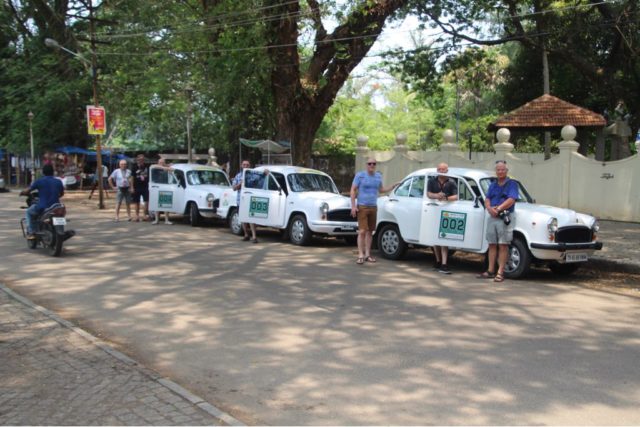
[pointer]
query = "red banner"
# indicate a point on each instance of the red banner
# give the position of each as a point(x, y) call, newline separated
point(96, 120)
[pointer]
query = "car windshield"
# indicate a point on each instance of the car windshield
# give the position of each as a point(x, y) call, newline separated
point(202, 177)
point(300, 182)
point(523, 195)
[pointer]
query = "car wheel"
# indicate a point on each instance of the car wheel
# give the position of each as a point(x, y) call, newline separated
point(194, 215)
point(234, 222)
point(563, 269)
point(299, 232)
point(390, 242)
point(519, 260)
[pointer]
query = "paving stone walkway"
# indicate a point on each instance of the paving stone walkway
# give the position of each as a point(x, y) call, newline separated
point(52, 373)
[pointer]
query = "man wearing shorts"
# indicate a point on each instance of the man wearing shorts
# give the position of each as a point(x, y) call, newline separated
point(365, 188)
point(500, 201)
point(121, 181)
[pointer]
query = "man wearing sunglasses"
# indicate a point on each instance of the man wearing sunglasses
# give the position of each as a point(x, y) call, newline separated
point(366, 187)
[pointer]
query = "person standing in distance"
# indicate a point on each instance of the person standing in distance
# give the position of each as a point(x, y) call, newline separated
point(366, 187)
point(140, 173)
point(163, 164)
point(236, 184)
point(122, 181)
point(500, 202)
point(444, 189)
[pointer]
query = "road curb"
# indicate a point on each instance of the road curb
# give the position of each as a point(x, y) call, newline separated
point(165, 382)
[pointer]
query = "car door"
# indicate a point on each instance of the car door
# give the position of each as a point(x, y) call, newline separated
point(457, 224)
point(165, 194)
point(262, 201)
point(405, 203)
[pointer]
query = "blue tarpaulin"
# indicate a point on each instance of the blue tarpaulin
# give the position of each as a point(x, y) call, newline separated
point(69, 149)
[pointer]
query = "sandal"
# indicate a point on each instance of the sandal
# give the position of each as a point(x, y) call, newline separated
point(370, 259)
point(499, 278)
point(246, 238)
point(360, 260)
point(486, 275)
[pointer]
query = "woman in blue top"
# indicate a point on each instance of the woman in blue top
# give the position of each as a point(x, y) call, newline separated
point(365, 188)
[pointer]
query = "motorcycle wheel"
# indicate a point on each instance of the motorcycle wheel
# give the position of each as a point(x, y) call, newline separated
point(53, 242)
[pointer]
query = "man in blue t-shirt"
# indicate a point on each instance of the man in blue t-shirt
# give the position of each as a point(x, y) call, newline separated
point(500, 202)
point(366, 186)
point(50, 189)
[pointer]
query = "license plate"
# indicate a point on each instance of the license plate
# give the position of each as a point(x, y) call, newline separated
point(59, 221)
point(576, 257)
point(348, 229)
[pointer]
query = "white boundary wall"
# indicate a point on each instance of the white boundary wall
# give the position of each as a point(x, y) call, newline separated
point(607, 190)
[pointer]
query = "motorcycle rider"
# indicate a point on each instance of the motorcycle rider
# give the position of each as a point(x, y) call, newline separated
point(50, 189)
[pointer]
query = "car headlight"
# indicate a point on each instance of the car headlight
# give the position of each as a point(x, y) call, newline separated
point(210, 198)
point(552, 227)
point(324, 209)
point(595, 226)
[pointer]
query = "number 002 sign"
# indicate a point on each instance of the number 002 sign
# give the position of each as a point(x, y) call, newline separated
point(452, 225)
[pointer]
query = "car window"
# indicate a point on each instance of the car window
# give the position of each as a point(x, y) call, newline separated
point(300, 182)
point(281, 181)
point(404, 188)
point(464, 192)
point(207, 177)
point(254, 179)
point(272, 183)
point(417, 187)
point(523, 194)
point(179, 175)
point(159, 176)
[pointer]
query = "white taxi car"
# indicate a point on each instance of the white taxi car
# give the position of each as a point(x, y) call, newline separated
point(302, 202)
point(560, 238)
point(193, 190)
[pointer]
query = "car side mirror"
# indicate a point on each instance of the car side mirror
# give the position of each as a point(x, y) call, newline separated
point(476, 202)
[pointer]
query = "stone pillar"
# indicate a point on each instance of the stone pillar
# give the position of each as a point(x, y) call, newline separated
point(449, 145)
point(401, 143)
point(503, 146)
point(213, 160)
point(567, 147)
point(362, 152)
point(600, 145)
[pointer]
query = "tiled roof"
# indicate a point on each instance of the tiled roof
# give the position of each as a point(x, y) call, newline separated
point(548, 111)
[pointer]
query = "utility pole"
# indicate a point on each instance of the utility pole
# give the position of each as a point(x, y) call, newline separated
point(33, 161)
point(94, 81)
point(546, 90)
point(189, 92)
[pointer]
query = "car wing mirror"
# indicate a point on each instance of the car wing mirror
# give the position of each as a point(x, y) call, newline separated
point(476, 202)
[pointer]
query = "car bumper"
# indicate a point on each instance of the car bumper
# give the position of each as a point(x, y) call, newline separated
point(209, 213)
point(563, 247)
point(334, 228)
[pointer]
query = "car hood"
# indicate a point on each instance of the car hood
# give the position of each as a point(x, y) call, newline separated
point(335, 201)
point(538, 212)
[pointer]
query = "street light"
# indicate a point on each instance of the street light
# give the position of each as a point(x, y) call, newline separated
point(33, 164)
point(94, 80)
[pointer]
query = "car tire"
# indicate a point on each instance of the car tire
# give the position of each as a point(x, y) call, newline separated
point(563, 269)
point(194, 215)
point(234, 222)
point(299, 232)
point(519, 260)
point(390, 243)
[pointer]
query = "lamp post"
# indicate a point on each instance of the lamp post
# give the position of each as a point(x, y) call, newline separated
point(189, 92)
point(33, 164)
point(94, 80)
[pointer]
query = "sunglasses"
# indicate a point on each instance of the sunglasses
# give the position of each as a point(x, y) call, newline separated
point(371, 163)
point(501, 161)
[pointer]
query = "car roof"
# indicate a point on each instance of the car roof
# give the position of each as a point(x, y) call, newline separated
point(288, 169)
point(466, 172)
point(191, 166)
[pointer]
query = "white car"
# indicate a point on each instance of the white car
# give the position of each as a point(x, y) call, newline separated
point(301, 201)
point(560, 238)
point(190, 189)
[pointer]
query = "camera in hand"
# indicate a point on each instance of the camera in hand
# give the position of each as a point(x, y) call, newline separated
point(505, 217)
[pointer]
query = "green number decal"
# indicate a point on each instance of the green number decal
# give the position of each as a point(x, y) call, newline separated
point(165, 199)
point(259, 207)
point(452, 225)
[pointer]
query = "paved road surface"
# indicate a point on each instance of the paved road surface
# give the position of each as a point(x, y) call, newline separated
point(278, 334)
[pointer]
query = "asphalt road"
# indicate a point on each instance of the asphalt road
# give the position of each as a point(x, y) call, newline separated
point(278, 334)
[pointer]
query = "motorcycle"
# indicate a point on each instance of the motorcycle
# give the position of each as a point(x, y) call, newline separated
point(49, 227)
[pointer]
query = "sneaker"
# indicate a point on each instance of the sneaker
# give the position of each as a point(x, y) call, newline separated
point(436, 266)
point(444, 269)
point(31, 236)
point(168, 222)
point(155, 221)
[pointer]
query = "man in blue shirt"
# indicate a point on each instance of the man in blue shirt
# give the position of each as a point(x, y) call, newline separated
point(366, 186)
point(500, 202)
point(50, 189)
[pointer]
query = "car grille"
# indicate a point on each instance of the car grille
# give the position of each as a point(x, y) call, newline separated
point(574, 234)
point(340, 215)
